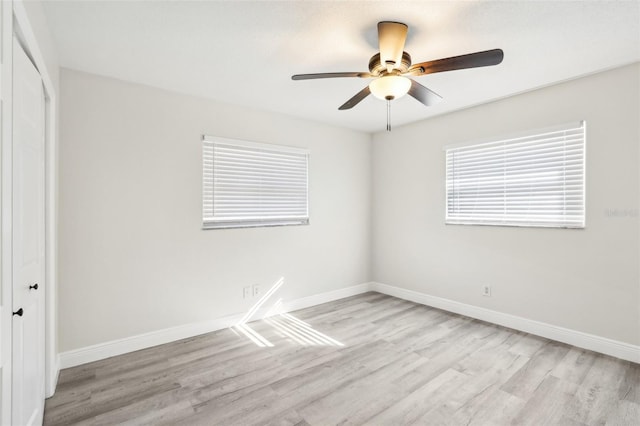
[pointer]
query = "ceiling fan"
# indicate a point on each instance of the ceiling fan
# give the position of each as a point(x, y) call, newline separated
point(391, 67)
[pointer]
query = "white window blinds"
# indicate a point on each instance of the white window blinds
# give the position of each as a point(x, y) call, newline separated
point(532, 180)
point(248, 184)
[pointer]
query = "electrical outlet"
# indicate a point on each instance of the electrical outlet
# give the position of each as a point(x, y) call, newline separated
point(486, 290)
point(246, 292)
point(256, 290)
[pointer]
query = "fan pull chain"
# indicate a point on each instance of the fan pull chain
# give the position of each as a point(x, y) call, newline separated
point(388, 115)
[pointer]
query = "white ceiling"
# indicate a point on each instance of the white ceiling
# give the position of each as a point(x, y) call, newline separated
point(245, 52)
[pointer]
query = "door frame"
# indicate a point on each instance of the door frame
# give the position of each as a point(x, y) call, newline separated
point(15, 20)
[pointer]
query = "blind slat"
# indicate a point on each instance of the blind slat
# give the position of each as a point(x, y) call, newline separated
point(537, 180)
point(248, 185)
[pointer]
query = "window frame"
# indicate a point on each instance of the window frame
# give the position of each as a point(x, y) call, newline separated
point(210, 222)
point(513, 138)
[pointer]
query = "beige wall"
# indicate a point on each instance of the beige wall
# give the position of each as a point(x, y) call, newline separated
point(133, 258)
point(586, 280)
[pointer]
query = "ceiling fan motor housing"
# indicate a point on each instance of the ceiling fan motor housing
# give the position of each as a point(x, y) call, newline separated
point(377, 68)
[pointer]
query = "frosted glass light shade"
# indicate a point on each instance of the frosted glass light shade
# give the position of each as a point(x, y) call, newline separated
point(390, 87)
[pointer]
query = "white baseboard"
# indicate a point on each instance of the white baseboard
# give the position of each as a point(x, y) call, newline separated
point(592, 342)
point(159, 337)
point(330, 296)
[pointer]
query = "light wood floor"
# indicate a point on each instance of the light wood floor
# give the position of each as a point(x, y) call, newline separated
point(368, 359)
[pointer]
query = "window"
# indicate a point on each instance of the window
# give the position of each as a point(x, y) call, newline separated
point(531, 180)
point(246, 184)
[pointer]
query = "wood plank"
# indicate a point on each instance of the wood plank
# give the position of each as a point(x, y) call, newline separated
point(366, 359)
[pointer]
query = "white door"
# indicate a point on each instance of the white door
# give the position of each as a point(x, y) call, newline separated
point(28, 242)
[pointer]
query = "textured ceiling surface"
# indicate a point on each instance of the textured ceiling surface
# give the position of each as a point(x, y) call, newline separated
point(244, 52)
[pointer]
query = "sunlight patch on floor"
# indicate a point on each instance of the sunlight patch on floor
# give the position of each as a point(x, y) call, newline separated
point(284, 324)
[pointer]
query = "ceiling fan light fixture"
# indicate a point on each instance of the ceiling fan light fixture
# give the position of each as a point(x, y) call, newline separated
point(390, 87)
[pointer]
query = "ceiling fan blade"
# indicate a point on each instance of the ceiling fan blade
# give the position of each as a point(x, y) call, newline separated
point(330, 75)
point(391, 39)
point(472, 60)
point(424, 95)
point(356, 99)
